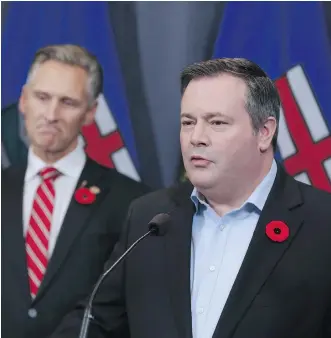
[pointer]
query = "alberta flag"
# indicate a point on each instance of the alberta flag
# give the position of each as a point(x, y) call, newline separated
point(32, 25)
point(289, 41)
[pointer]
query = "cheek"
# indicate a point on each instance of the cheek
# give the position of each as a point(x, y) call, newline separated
point(32, 106)
point(72, 125)
point(246, 147)
point(33, 112)
point(183, 140)
point(31, 119)
point(234, 144)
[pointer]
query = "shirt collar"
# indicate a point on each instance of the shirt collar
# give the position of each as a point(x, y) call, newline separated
point(70, 165)
point(260, 194)
point(257, 198)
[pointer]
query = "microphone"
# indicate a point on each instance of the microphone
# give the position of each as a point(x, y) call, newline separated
point(159, 224)
point(156, 227)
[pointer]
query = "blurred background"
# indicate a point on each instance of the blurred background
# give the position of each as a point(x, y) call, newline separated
point(143, 46)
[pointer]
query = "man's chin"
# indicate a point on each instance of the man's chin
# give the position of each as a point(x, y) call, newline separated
point(49, 148)
point(201, 181)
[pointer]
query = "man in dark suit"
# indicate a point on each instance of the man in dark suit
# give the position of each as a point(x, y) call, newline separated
point(61, 212)
point(247, 253)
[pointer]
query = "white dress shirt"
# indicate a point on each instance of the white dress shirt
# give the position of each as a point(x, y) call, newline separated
point(218, 247)
point(70, 168)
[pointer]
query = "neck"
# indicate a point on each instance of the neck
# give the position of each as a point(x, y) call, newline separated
point(226, 199)
point(50, 157)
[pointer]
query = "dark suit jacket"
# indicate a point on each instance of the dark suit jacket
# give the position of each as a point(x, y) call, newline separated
point(283, 290)
point(87, 237)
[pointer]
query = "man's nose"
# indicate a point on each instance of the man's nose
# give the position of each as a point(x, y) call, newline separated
point(51, 112)
point(199, 135)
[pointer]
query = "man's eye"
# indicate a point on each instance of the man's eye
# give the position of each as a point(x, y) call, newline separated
point(218, 122)
point(69, 102)
point(42, 97)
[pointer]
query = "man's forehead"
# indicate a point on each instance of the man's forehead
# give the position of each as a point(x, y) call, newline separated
point(214, 100)
point(51, 81)
point(215, 85)
point(214, 88)
point(56, 92)
point(54, 70)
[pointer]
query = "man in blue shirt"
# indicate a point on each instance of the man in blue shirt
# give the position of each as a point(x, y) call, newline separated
point(247, 252)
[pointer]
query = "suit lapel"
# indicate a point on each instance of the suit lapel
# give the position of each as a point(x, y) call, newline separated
point(178, 252)
point(74, 222)
point(262, 256)
point(14, 236)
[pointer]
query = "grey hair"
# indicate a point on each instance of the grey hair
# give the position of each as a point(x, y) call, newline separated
point(262, 99)
point(76, 56)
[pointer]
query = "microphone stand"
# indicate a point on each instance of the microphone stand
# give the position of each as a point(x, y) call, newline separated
point(88, 309)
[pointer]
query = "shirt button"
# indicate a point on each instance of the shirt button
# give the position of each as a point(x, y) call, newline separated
point(212, 268)
point(222, 227)
point(200, 310)
point(32, 313)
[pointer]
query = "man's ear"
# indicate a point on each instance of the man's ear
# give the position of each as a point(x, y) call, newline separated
point(22, 100)
point(266, 134)
point(90, 114)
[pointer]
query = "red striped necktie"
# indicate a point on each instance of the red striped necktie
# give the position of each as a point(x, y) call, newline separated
point(39, 228)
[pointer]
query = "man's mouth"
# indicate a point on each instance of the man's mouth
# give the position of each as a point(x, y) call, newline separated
point(199, 160)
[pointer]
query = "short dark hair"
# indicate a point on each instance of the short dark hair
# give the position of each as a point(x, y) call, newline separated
point(262, 95)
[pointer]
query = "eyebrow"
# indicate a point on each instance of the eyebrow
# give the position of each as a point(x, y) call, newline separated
point(207, 115)
point(39, 91)
point(65, 97)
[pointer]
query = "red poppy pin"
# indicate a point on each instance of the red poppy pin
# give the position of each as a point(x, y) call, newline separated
point(277, 231)
point(84, 195)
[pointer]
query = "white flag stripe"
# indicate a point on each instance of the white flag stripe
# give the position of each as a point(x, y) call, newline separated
point(303, 177)
point(34, 278)
point(284, 141)
point(307, 103)
point(47, 193)
point(104, 117)
point(40, 224)
point(327, 166)
point(124, 164)
point(35, 259)
point(38, 242)
point(43, 207)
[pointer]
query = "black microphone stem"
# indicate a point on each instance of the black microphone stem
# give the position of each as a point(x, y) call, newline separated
point(87, 313)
